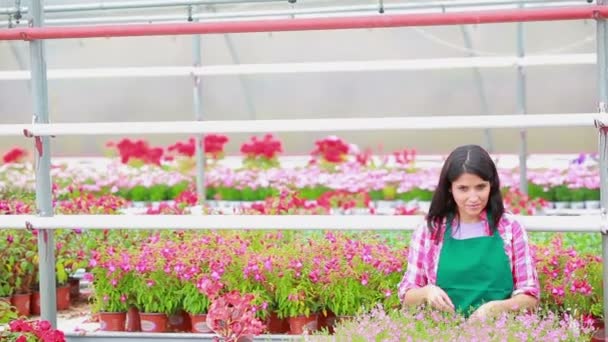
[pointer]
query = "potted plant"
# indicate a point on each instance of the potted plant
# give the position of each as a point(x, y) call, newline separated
point(563, 196)
point(23, 250)
point(592, 198)
point(297, 295)
point(155, 297)
point(195, 303)
point(110, 297)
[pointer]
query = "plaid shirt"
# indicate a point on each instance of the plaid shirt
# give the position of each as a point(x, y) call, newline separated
point(423, 258)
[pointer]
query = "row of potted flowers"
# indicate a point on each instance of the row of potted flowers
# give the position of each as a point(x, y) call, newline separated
point(577, 184)
point(185, 271)
point(297, 277)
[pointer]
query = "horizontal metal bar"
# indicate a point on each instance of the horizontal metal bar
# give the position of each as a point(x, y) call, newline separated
point(325, 67)
point(334, 23)
point(307, 125)
point(295, 11)
point(105, 6)
point(164, 337)
point(583, 223)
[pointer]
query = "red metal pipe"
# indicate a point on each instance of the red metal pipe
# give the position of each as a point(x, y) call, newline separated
point(376, 21)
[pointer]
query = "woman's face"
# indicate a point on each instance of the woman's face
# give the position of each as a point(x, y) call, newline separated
point(471, 195)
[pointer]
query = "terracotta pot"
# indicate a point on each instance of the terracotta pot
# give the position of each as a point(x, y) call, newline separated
point(35, 303)
point(21, 301)
point(598, 336)
point(276, 325)
point(199, 324)
point(74, 288)
point(153, 322)
point(112, 321)
point(598, 324)
point(327, 322)
point(300, 324)
point(63, 297)
point(180, 322)
point(133, 321)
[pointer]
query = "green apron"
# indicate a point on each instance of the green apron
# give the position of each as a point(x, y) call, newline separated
point(474, 271)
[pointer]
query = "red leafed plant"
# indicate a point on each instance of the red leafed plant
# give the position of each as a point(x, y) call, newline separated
point(15, 155)
point(232, 317)
point(24, 331)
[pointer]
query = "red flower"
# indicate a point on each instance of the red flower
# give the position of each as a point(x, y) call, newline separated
point(268, 147)
point(331, 149)
point(15, 155)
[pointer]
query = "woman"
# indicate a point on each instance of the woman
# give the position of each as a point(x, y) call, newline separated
point(470, 257)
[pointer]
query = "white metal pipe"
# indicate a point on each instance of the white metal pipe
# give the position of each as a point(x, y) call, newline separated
point(106, 6)
point(387, 7)
point(300, 12)
point(585, 223)
point(307, 125)
point(313, 67)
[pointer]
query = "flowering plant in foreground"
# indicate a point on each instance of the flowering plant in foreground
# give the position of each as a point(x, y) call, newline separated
point(28, 331)
point(571, 281)
point(232, 317)
point(429, 325)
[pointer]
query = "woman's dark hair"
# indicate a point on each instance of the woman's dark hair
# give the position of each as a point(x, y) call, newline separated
point(471, 159)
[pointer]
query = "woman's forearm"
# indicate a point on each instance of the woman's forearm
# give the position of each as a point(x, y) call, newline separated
point(415, 296)
point(519, 302)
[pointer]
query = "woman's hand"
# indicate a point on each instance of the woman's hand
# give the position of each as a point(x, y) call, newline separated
point(487, 310)
point(438, 299)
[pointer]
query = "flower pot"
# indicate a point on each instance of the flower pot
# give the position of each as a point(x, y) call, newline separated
point(179, 322)
point(592, 204)
point(153, 322)
point(599, 336)
point(21, 302)
point(133, 321)
point(74, 284)
point(327, 322)
point(385, 204)
point(63, 297)
point(343, 318)
point(199, 324)
point(562, 205)
point(577, 205)
point(112, 321)
point(276, 325)
point(35, 303)
point(303, 324)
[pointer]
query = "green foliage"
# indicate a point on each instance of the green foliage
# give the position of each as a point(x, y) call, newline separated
point(193, 301)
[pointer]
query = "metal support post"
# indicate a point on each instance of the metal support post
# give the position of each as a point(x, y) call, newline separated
point(603, 145)
point(480, 87)
point(46, 244)
point(522, 109)
point(197, 102)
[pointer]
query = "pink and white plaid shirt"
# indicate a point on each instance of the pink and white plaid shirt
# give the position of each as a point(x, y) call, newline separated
point(423, 257)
